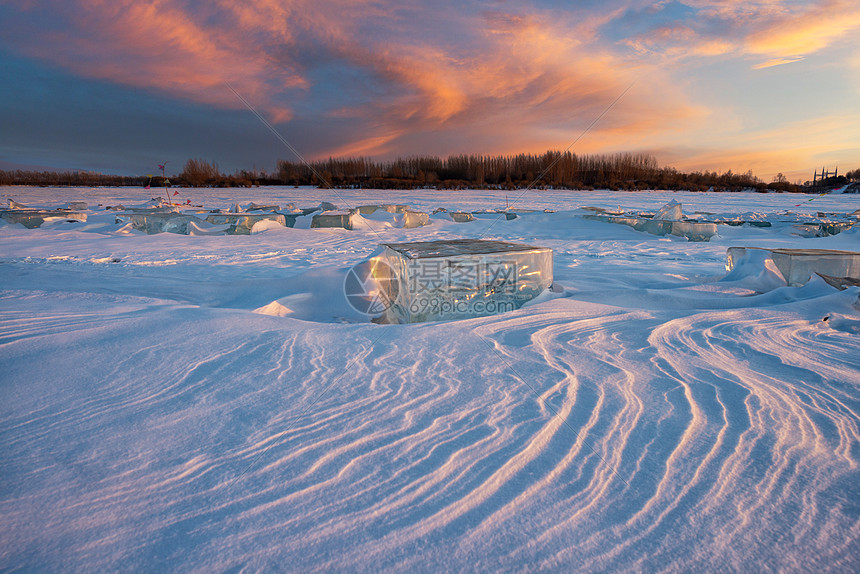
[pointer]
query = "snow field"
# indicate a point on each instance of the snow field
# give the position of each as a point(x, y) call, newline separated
point(658, 416)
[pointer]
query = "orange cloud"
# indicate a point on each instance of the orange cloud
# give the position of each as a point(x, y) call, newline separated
point(433, 81)
point(534, 84)
point(160, 46)
point(680, 41)
point(525, 69)
point(795, 34)
point(777, 62)
point(189, 49)
point(783, 31)
point(371, 146)
point(400, 75)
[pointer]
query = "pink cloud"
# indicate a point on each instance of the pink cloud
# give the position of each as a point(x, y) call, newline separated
point(781, 31)
point(534, 84)
point(481, 81)
point(375, 145)
point(777, 62)
point(170, 46)
point(806, 30)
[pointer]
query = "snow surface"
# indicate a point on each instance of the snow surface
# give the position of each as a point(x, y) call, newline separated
point(211, 403)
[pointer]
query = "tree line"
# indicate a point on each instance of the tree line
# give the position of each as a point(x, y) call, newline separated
point(68, 178)
point(197, 173)
point(550, 170)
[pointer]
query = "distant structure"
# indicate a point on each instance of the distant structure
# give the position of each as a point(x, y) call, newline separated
point(824, 175)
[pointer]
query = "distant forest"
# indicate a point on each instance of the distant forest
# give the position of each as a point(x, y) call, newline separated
point(551, 170)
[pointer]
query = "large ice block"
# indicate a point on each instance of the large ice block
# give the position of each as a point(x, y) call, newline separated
point(798, 265)
point(290, 218)
point(460, 278)
point(461, 216)
point(396, 215)
point(242, 223)
point(344, 219)
point(822, 229)
point(494, 214)
point(205, 228)
point(390, 208)
point(693, 231)
point(262, 207)
point(155, 222)
point(32, 218)
point(411, 219)
point(149, 210)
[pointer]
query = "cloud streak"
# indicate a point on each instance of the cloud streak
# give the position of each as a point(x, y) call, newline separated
point(156, 45)
point(379, 77)
point(286, 55)
point(777, 62)
point(779, 30)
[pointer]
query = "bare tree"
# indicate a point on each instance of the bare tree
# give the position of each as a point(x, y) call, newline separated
point(199, 172)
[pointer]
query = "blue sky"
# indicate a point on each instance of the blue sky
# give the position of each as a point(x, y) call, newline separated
point(770, 86)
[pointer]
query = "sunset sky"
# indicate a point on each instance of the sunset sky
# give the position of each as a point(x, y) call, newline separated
point(119, 86)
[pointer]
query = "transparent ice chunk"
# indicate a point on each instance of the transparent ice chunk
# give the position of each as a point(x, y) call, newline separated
point(262, 207)
point(333, 218)
point(693, 231)
point(411, 219)
point(148, 210)
point(671, 211)
point(151, 223)
point(32, 218)
point(396, 215)
point(458, 279)
point(461, 216)
point(206, 228)
point(389, 208)
point(822, 229)
point(798, 265)
point(242, 223)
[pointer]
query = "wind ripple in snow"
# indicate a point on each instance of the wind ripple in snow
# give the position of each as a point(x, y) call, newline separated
point(571, 436)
